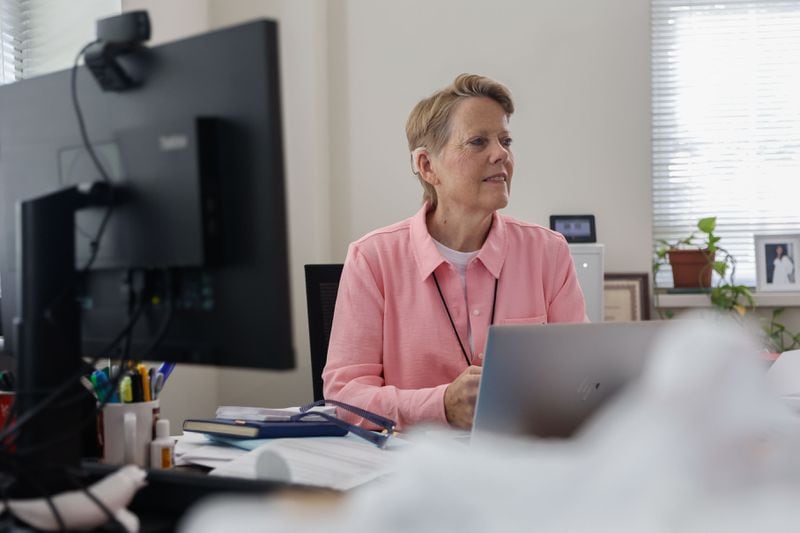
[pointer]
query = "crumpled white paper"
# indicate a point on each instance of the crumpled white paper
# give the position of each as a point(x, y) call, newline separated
point(78, 511)
point(698, 444)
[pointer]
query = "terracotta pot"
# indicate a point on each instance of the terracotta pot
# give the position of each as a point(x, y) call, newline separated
point(691, 268)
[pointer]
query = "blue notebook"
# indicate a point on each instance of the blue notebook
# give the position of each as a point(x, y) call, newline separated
point(251, 429)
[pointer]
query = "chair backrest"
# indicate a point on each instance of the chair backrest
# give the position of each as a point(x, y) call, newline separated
point(322, 284)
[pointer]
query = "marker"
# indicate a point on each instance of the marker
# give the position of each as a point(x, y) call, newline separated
point(146, 391)
point(125, 390)
point(136, 386)
point(6, 380)
point(101, 384)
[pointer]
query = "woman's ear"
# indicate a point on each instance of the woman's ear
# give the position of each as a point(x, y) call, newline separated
point(423, 165)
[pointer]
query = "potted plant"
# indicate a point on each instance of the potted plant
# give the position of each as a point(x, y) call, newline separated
point(726, 295)
point(693, 260)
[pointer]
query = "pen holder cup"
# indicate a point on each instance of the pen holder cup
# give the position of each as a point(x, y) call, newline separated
point(6, 402)
point(126, 431)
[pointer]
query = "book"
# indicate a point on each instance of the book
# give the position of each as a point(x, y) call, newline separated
point(235, 412)
point(255, 429)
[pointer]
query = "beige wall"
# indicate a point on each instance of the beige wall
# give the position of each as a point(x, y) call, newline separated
point(352, 70)
point(579, 71)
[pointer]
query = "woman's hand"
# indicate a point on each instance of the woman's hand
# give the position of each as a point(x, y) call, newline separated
point(460, 397)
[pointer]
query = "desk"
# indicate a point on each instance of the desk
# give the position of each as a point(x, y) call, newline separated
point(170, 493)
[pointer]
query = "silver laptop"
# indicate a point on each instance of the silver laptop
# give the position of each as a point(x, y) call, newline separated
point(545, 380)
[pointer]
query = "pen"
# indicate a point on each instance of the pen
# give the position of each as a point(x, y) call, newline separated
point(166, 368)
point(158, 384)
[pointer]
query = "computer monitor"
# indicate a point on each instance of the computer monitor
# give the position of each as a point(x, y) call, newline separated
point(195, 155)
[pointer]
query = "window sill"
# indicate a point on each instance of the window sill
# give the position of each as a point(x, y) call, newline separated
point(762, 299)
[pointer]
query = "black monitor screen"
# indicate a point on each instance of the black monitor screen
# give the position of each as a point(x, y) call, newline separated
point(196, 152)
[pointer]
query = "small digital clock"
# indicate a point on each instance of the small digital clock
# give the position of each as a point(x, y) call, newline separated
point(575, 228)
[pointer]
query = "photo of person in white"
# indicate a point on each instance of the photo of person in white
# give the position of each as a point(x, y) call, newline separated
point(782, 265)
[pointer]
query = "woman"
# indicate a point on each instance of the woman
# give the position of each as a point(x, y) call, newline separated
point(416, 298)
point(783, 273)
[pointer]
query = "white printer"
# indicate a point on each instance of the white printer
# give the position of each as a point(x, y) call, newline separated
point(588, 258)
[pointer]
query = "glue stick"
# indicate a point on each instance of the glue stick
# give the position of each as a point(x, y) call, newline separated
point(162, 449)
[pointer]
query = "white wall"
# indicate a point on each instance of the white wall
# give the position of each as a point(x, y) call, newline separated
point(579, 72)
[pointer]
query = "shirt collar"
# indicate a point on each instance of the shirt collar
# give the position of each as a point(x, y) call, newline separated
point(492, 253)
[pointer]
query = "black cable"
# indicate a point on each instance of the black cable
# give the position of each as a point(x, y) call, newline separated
point(97, 501)
point(95, 243)
point(76, 104)
point(114, 382)
point(23, 419)
point(5, 500)
point(31, 480)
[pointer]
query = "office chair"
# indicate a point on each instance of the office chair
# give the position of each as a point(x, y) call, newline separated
point(322, 284)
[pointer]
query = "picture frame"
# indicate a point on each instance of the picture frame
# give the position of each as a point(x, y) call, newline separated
point(626, 297)
point(777, 256)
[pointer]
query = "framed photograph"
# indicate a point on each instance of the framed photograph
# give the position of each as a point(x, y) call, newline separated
point(625, 297)
point(776, 262)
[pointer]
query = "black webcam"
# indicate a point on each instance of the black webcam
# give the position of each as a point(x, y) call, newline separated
point(112, 59)
point(128, 28)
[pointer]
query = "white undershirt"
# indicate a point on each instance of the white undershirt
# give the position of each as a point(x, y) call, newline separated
point(459, 260)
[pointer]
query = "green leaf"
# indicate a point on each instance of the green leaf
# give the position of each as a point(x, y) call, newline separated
point(720, 267)
point(707, 225)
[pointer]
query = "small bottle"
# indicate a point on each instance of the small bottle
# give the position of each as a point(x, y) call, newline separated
point(162, 448)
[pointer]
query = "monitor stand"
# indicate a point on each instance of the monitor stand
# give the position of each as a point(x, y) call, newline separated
point(51, 403)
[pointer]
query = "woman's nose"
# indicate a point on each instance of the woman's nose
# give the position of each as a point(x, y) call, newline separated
point(500, 152)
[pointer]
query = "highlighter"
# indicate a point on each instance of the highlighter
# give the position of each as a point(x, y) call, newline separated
point(125, 390)
point(142, 370)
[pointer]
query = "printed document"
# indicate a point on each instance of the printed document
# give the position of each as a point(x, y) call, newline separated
point(340, 463)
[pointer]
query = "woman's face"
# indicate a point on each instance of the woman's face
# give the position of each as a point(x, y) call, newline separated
point(473, 170)
point(779, 251)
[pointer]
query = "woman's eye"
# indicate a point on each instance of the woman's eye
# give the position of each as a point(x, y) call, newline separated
point(507, 142)
point(478, 141)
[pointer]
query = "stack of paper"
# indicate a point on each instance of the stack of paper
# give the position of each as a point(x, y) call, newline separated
point(340, 463)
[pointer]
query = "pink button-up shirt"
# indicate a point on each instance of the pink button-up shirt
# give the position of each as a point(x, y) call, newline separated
point(392, 348)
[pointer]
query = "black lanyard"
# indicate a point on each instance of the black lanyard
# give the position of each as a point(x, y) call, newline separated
point(453, 324)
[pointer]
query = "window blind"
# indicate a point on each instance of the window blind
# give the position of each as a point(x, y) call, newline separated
point(41, 36)
point(726, 121)
point(10, 51)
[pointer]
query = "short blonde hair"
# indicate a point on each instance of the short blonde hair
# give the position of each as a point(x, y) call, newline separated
point(428, 125)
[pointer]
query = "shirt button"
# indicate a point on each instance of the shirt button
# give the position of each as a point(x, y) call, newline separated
point(480, 355)
point(476, 312)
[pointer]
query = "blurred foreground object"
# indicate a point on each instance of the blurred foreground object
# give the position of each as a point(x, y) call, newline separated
point(700, 443)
